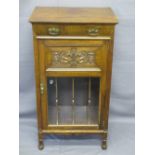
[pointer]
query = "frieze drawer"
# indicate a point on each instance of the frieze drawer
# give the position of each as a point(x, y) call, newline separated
point(73, 30)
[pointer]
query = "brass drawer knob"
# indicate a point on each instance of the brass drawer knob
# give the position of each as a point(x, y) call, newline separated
point(54, 31)
point(93, 31)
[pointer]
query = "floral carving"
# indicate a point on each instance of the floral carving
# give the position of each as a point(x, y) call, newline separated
point(73, 57)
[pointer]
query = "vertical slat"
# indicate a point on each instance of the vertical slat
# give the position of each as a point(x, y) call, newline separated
point(73, 101)
point(57, 100)
point(89, 100)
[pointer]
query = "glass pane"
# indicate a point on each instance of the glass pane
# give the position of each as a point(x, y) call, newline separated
point(73, 101)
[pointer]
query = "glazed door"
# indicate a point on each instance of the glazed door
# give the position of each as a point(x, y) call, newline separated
point(73, 100)
point(72, 82)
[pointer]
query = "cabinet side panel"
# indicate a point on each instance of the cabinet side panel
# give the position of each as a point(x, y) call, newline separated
point(37, 80)
point(108, 84)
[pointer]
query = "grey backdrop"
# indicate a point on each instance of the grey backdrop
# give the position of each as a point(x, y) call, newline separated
point(121, 121)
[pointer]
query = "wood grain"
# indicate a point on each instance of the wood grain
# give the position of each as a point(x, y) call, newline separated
point(73, 15)
point(74, 25)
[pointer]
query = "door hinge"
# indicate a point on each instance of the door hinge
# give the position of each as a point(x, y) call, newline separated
point(41, 88)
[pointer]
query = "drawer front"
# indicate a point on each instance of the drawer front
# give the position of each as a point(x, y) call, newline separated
point(75, 53)
point(73, 29)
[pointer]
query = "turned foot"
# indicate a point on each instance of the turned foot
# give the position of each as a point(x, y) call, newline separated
point(104, 144)
point(41, 145)
point(40, 141)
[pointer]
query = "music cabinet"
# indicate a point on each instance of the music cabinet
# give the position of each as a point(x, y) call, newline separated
point(73, 49)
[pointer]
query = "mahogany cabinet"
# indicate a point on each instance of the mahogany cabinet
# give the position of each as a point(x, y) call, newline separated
point(73, 50)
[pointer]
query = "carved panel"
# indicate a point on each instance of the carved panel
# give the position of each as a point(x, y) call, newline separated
point(73, 57)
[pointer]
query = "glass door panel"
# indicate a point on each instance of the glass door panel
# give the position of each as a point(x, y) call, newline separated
point(73, 101)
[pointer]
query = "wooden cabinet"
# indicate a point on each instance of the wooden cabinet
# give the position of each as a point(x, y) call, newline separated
point(73, 50)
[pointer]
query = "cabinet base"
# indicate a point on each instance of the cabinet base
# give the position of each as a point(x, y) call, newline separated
point(41, 143)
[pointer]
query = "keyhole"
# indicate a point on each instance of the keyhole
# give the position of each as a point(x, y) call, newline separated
point(51, 82)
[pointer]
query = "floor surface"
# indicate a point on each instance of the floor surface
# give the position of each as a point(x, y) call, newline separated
point(120, 141)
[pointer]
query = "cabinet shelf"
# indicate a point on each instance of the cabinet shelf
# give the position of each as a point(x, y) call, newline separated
point(92, 69)
point(73, 72)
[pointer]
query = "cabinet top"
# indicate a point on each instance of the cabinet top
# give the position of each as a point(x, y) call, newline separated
point(73, 15)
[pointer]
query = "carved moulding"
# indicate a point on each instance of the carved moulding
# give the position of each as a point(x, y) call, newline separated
point(73, 57)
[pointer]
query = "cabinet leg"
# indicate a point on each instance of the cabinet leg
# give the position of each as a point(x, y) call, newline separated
point(41, 145)
point(40, 141)
point(104, 144)
point(104, 141)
